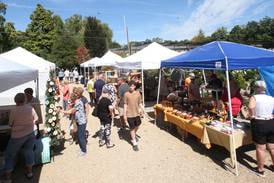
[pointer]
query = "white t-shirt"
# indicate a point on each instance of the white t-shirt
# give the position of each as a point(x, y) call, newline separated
point(264, 106)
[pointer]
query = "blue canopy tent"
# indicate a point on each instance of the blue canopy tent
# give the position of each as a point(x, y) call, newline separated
point(267, 74)
point(222, 55)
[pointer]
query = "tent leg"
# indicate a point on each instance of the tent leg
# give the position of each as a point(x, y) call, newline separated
point(158, 92)
point(143, 89)
point(232, 127)
point(37, 88)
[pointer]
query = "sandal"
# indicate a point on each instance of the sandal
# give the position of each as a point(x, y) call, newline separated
point(259, 173)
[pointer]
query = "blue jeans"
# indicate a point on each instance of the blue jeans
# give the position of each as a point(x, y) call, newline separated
point(14, 146)
point(81, 133)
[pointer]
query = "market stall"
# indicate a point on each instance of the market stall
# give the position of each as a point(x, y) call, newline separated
point(26, 58)
point(11, 75)
point(148, 58)
point(226, 56)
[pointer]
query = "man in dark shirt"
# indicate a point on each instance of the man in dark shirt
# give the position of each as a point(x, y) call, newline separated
point(98, 86)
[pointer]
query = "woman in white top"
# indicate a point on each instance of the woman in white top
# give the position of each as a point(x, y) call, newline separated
point(262, 125)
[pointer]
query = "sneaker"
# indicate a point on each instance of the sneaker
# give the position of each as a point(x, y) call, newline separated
point(109, 145)
point(82, 153)
point(135, 148)
point(101, 143)
point(259, 173)
point(271, 167)
point(120, 133)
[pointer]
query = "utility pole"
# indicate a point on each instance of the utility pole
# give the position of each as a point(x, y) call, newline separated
point(126, 31)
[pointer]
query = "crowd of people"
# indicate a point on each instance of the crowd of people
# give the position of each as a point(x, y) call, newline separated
point(106, 99)
point(123, 98)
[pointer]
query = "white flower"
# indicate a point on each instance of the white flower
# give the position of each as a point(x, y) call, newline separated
point(50, 110)
point(51, 83)
point(50, 120)
point(47, 102)
point(51, 106)
point(50, 90)
point(53, 124)
point(54, 118)
point(48, 129)
point(54, 113)
point(56, 98)
point(55, 132)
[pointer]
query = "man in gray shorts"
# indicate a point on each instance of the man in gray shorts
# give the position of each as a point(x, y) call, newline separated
point(123, 88)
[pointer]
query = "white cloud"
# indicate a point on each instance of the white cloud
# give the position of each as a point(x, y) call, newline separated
point(208, 16)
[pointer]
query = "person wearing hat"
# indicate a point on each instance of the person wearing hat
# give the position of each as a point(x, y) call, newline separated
point(262, 125)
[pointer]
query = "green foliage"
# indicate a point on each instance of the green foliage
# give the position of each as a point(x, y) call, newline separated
point(2, 30)
point(41, 32)
point(199, 38)
point(75, 26)
point(64, 51)
point(52, 124)
point(114, 44)
point(220, 34)
point(95, 37)
point(237, 34)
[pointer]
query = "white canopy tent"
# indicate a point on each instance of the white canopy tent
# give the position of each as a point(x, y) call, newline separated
point(149, 57)
point(13, 74)
point(24, 57)
point(90, 63)
point(109, 59)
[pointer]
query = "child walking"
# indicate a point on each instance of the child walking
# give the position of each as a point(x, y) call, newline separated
point(105, 114)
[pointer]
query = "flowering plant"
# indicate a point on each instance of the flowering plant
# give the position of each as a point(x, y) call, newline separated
point(52, 124)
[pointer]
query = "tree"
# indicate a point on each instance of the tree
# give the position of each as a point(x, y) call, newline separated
point(157, 40)
point(266, 32)
point(41, 32)
point(82, 54)
point(114, 44)
point(252, 29)
point(220, 34)
point(199, 38)
point(64, 51)
point(237, 34)
point(75, 25)
point(2, 21)
point(10, 37)
point(95, 37)
point(108, 33)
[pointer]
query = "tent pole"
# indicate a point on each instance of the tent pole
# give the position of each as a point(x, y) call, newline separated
point(37, 88)
point(159, 85)
point(204, 77)
point(231, 122)
point(158, 92)
point(143, 89)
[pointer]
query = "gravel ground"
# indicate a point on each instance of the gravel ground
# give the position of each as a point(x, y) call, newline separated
point(162, 158)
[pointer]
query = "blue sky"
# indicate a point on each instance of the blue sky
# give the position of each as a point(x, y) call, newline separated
point(146, 19)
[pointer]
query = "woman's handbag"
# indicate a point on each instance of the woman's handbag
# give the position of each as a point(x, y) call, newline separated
point(73, 127)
